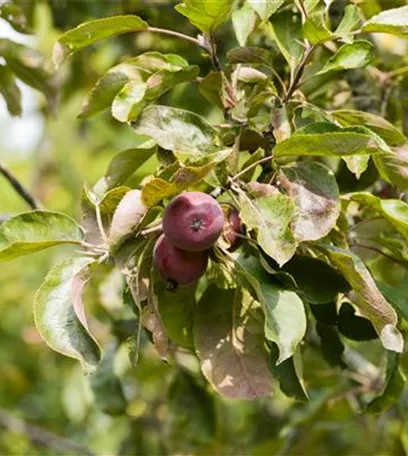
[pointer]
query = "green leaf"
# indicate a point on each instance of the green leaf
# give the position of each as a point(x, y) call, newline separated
point(244, 21)
point(93, 31)
point(270, 216)
point(393, 21)
point(187, 176)
point(15, 16)
point(287, 29)
point(229, 342)
point(349, 23)
point(368, 297)
point(177, 309)
point(122, 166)
point(331, 345)
point(384, 129)
point(265, 8)
point(106, 386)
point(288, 374)
point(152, 70)
point(357, 164)
point(397, 297)
point(315, 28)
point(136, 95)
point(353, 326)
point(285, 317)
point(192, 414)
point(56, 319)
point(317, 281)
point(351, 55)
point(344, 142)
point(393, 167)
point(206, 15)
point(395, 211)
point(29, 66)
point(10, 91)
point(393, 387)
point(212, 88)
point(176, 129)
point(37, 230)
point(313, 189)
point(255, 55)
point(127, 217)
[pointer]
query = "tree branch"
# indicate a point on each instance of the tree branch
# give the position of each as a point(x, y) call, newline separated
point(177, 35)
point(299, 72)
point(25, 194)
point(40, 436)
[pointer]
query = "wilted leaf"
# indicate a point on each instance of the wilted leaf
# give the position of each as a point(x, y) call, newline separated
point(313, 189)
point(55, 316)
point(270, 216)
point(37, 230)
point(369, 298)
point(393, 21)
point(176, 129)
point(206, 15)
point(351, 55)
point(229, 343)
point(285, 318)
point(93, 31)
point(10, 91)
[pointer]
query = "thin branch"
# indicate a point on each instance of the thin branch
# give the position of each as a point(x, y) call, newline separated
point(303, 9)
point(177, 35)
point(299, 72)
point(253, 165)
point(152, 230)
point(41, 436)
point(25, 194)
point(100, 224)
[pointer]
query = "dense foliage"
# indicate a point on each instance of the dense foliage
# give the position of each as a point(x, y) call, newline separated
point(291, 114)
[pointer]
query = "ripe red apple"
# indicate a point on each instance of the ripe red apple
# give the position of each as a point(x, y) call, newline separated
point(233, 226)
point(193, 221)
point(176, 265)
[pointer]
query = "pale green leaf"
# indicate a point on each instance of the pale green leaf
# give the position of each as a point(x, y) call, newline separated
point(393, 21)
point(265, 8)
point(206, 15)
point(37, 230)
point(244, 21)
point(56, 318)
point(93, 31)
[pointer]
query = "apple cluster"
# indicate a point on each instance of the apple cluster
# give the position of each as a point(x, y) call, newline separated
point(192, 224)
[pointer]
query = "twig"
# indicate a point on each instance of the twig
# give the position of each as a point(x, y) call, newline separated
point(253, 165)
point(303, 9)
point(154, 229)
point(19, 187)
point(40, 436)
point(177, 35)
point(100, 224)
point(299, 72)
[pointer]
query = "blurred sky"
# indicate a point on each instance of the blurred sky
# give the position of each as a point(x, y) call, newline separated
point(19, 135)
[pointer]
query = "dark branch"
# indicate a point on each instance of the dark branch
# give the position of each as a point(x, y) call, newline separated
point(19, 188)
point(40, 436)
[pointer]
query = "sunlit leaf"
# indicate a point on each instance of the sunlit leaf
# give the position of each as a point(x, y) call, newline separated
point(393, 21)
point(229, 343)
point(93, 31)
point(37, 230)
point(56, 319)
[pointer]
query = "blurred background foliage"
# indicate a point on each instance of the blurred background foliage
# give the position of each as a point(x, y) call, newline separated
point(47, 406)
